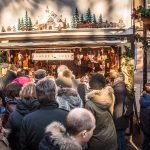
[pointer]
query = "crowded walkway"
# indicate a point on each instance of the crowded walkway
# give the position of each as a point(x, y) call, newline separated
point(44, 112)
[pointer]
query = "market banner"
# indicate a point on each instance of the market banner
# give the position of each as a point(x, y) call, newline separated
point(52, 56)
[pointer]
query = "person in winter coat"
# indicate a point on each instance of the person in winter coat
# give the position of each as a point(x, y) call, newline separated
point(145, 116)
point(25, 105)
point(11, 96)
point(78, 131)
point(33, 124)
point(100, 101)
point(83, 88)
point(10, 76)
point(123, 108)
point(67, 97)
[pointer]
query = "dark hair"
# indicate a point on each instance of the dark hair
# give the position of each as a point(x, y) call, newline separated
point(40, 74)
point(12, 90)
point(46, 91)
point(97, 81)
point(147, 87)
point(75, 124)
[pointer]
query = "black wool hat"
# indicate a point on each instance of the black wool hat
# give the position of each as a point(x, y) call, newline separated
point(97, 81)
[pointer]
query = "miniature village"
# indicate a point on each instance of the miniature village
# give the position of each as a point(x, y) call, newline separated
point(59, 22)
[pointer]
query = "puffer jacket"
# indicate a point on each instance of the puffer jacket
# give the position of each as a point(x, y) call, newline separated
point(145, 114)
point(68, 99)
point(56, 139)
point(100, 103)
point(23, 108)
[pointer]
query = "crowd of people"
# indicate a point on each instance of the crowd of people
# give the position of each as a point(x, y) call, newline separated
point(64, 113)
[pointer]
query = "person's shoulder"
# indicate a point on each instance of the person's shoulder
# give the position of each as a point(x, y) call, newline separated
point(32, 115)
point(62, 110)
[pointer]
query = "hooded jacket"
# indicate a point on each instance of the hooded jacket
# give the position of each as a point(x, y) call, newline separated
point(23, 108)
point(56, 139)
point(68, 99)
point(145, 114)
point(100, 103)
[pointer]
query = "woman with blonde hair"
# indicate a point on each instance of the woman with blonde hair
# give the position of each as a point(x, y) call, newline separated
point(25, 105)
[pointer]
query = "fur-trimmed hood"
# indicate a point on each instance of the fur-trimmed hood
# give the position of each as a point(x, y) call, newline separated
point(68, 98)
point(104, 98)
point(56, 137)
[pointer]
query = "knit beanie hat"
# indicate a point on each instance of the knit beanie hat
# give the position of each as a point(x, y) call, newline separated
point(65, 80)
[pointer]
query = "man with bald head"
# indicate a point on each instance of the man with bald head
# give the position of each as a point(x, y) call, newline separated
point(80, 125)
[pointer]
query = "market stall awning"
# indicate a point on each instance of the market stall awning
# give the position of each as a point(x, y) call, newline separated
point(65, 34)
point(63, 44)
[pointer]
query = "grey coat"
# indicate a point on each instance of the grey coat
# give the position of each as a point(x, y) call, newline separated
point(68, 99)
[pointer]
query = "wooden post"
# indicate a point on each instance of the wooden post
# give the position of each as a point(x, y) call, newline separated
point(144, 54)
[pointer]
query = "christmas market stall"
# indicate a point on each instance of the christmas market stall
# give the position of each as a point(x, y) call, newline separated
point(85, 41)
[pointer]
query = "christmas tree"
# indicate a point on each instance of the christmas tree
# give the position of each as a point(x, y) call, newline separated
point(74, 22)
point(77, 15)
point(19, 24)
point(26, 21)
point(3, 29)
point(30, 24)
point(100, 20)
point(22, 25)
point(81, 19)
point(88, 16)
point(94, 19)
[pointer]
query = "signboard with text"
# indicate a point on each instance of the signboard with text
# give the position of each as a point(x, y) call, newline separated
point(53, 56)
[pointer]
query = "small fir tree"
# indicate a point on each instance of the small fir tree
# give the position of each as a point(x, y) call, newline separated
point(88, 16)
point(94, 19)
point(3, 29)
point(26, 21)
point(74, 22)
point(100, 20)
point(81, 18)
point(77, 15)
point(19, 24)
point(30, 24)
point(22, 25)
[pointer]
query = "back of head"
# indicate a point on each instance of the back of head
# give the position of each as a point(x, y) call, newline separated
point(12, 90)
point(147, 87)
point(46, 91)
point(39, 74)
point(61, 68)
point(97, 81)
point(79, 119)
point(65, 80)
point(28, 91)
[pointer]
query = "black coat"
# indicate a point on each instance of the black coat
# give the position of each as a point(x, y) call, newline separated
point(10, 76)
point(23, 108)
point(145, 114)
point(82, 90)
point(34, 124)
point(122, 107)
